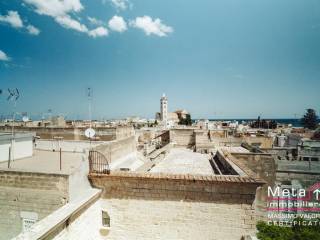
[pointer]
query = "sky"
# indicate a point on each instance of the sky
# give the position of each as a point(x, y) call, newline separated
point(214, 58)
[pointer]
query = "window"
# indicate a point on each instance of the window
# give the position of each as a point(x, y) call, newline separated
point(105, 219)
point(27, 223)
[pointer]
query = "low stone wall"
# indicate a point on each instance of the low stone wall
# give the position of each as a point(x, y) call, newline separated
point(65, 145)
point(27, 193)
point(116, 149)
point(162, 206)
point(75, 133)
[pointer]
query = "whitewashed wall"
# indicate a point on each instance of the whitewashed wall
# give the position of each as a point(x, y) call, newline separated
point(157, 220)
point(21, 149)
point(65, 145)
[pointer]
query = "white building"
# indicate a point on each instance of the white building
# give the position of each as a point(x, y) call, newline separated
point(164, 109)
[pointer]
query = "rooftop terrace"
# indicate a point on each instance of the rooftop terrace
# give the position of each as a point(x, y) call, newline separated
point(46, 162)
point(184, 161)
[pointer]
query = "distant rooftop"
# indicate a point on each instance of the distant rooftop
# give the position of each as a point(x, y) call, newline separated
point(235, 149)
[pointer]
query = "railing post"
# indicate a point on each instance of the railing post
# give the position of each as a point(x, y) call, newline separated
point(90, 162)
point(60, 159)
point(9, 159)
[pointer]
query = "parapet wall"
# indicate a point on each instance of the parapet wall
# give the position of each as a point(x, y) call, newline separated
point(75, 133)
point(220, 206)
point(116, 149)
point(65, 145)
point(27, 193)
point(175, 187)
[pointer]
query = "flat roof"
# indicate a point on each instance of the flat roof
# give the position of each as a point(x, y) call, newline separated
point(284, 165)
point(184, 161)
point(46, 162)
point(235, 149)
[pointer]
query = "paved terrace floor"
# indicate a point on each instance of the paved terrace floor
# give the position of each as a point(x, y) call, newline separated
point(184, 161)
point(46, 162)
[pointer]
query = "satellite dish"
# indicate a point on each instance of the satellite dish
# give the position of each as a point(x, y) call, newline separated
point(25, 119)
point(90, 132)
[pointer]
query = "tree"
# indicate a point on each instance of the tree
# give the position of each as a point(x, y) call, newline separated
point(186, 121)
point(310, 119)
point(266, 124)
point(303, 230)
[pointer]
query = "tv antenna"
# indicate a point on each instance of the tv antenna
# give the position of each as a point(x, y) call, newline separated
point(89, 95)
point(90, 132)
point(14, 95)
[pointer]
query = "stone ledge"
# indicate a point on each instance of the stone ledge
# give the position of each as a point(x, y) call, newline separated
point(179, 177)
point(55, 222)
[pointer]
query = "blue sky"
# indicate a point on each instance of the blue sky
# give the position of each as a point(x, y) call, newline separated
point(215, 58)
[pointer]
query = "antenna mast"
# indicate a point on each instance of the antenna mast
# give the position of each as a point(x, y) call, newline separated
point(89, 95)
point(13, 96)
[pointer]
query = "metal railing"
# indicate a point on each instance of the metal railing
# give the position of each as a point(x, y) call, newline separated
point(98, 163)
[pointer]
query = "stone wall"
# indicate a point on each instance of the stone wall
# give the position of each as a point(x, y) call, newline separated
point(203, 142)
point(263, 142)
point(182, 137)
point(162, 206)
point(116, 149)
point(74, 133)
point(264, 166)
point(23, 193)
point(65, 145)
point(124, 132)
point(306, 179)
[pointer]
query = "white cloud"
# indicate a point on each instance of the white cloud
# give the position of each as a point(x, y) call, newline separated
point(150, 26)
point(13, 18)
point(55, 8)
point(98, 32)
point(117, 24)
point(121, 4)
point(69, 23)
point(62, 10)
point(3, 56)
point(95, 21)
point(33, 30)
